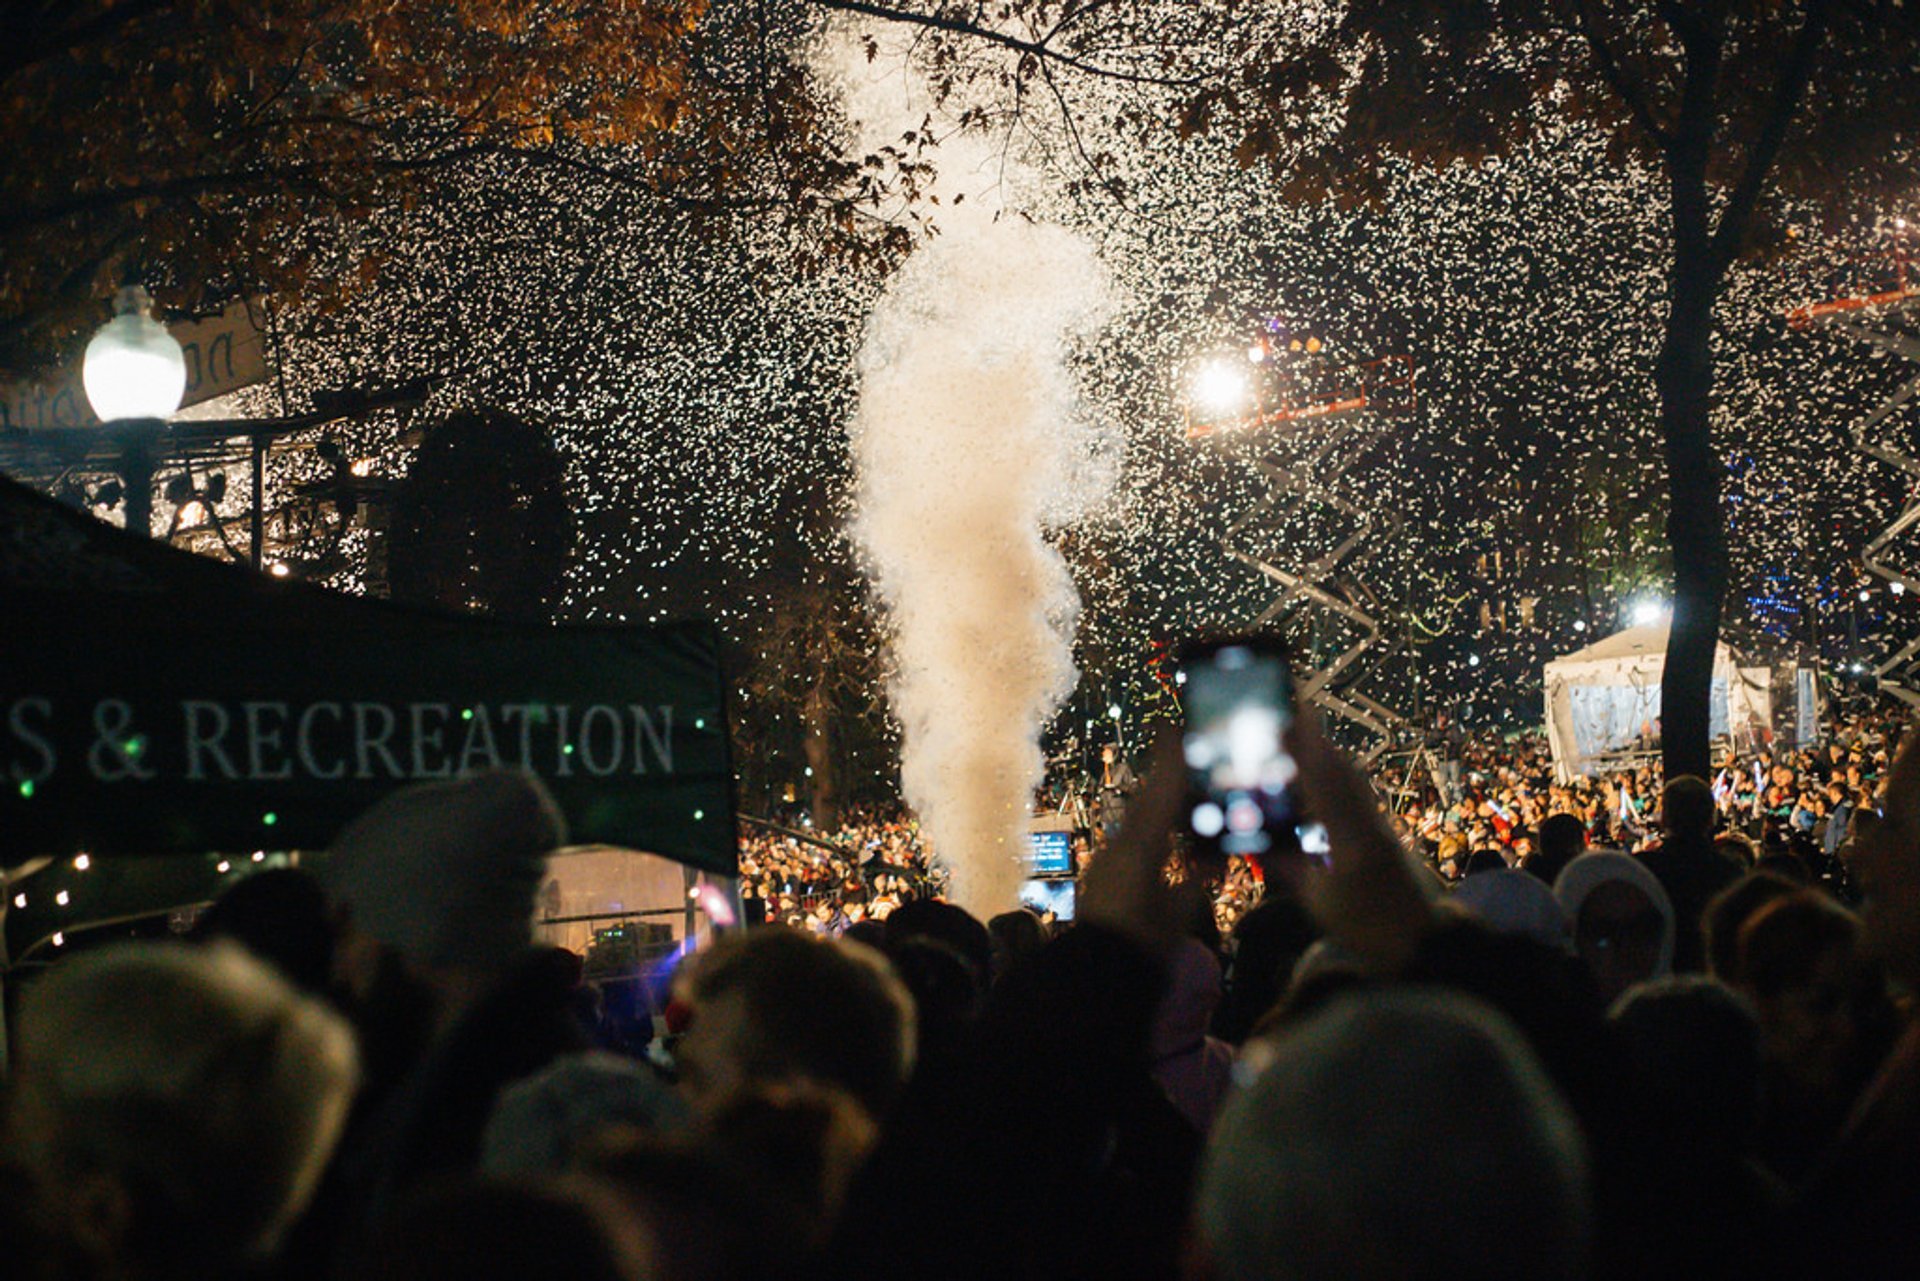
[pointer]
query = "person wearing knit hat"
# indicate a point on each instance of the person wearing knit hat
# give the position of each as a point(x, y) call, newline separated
point(433, 891)
point(1514, 902)
point(445, 873)
point(1623, 924)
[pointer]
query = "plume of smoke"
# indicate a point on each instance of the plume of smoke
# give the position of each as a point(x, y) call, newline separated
point(967, 448)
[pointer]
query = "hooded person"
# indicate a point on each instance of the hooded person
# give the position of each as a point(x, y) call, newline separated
point(1623, 923)
point(1688, 866)
point(433, 891)
point(1194, 1069)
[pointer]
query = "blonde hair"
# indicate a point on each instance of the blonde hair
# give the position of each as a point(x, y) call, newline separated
point(197, 1079)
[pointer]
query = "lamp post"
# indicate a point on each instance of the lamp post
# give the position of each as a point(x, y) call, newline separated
point(135, 375)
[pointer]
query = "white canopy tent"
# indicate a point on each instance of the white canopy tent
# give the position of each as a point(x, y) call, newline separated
point(1604, 699)
point(592, 886)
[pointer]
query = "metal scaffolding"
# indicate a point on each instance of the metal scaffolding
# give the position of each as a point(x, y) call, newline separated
point(1333, 422)
point(1882, 313)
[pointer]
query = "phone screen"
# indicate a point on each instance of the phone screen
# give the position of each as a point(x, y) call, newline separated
point(1239, 700)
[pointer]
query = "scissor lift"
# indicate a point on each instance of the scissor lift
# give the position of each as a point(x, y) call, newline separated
point(1882, 309)
point(1335, 416)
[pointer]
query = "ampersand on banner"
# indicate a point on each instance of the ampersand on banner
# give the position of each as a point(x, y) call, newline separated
point(116, 752)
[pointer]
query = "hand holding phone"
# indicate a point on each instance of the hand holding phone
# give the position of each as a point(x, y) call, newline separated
point(1242, 798)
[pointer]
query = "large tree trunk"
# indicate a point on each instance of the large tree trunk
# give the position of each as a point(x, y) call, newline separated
point(1696, 531)
point(816, 717)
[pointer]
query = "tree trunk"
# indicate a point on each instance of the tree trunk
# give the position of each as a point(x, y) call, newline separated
point(817, 726)
point(1696, 531)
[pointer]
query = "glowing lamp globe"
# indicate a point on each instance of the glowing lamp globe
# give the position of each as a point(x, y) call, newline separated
point(1219, 388)
point(133, 367)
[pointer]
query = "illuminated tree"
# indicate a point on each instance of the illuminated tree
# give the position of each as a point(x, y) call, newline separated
point(219, 149)
point(1756, 112)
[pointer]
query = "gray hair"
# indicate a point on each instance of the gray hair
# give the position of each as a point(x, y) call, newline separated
point(197, 1079)
point(1396, 1135)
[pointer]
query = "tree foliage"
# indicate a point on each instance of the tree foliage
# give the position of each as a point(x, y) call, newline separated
point(217, 149)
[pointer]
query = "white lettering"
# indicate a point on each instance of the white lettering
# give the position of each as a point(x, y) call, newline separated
point(563, 742)
point(28, 738)
point(600, 767)
point(364, 746)
point(199, 740)
point(661, 739)
point(526, 714)
point(417, 713)
point(303, 740)
point(263, 738)
point(478, 751)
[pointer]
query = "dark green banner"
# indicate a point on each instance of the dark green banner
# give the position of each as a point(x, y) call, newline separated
point(226, 713)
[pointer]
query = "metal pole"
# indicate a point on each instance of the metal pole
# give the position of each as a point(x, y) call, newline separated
point(257, 522)
point(139, 442)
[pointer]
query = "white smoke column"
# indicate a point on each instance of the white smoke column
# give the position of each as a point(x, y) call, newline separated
point(967, 448)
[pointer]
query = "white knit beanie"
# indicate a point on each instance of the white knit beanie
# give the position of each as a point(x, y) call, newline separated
point(446, 873)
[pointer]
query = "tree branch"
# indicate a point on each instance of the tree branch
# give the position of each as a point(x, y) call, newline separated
point(1632, 94)
point(105, 23)
point(1781, 105)
point(980, 31)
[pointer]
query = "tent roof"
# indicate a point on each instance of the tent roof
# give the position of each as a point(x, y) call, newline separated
point(1635, 642)
point(1648, 641)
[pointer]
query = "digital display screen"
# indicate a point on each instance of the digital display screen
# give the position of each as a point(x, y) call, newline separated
point(1049, 854)
point(1239, 702)
point(1049, 898)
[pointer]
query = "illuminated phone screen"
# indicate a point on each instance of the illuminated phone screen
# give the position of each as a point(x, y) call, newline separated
point(1239, 702)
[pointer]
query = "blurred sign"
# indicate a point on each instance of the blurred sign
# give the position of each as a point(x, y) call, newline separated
point(157, 702)
point(224, 353)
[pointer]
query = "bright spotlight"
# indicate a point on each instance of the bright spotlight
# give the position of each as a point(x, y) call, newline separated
point(1256, 354)
point(1648, 612)
point(1220, 389)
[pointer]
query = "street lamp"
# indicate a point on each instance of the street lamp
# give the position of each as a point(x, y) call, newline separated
point(135, 375)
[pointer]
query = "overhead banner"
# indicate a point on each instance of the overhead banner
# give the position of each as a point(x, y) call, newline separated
point(223, 353)
point(176, 705)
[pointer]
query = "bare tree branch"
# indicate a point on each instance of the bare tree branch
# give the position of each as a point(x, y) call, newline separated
point(24, 52)
point(1781, 105)
point(980, 31)
point(1632, 93)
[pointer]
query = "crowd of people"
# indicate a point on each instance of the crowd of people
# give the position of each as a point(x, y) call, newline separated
point(1784, 801)
point(863, 869)
point(1652, 1059)
point(1789, 810)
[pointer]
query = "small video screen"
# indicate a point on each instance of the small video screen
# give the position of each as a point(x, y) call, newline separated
point(1053, 900)
point(1049, 854)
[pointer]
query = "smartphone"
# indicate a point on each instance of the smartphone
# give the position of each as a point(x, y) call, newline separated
point(1242, 797)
